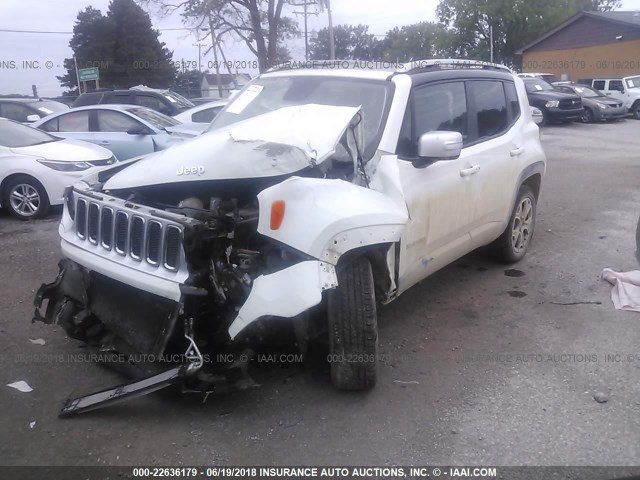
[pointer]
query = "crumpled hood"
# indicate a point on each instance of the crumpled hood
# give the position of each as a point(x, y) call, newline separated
point(281, 142)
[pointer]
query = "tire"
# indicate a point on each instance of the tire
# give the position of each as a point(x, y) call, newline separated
point(587, 116)
point(510, 248)
point(353, 327)
point(25, 198)
point(635, 109)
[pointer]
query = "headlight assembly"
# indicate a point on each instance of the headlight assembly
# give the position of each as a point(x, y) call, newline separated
point(66, 166)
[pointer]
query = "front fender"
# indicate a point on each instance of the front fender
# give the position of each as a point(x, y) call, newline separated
point(327, 218)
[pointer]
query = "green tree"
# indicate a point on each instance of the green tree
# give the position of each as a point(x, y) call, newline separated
point(352, 43)
point(515, 23)
point(188, 83)
point(418, 41)
point(123, 45)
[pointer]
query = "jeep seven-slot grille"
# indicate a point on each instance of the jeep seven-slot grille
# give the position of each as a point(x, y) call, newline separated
point(132, 234)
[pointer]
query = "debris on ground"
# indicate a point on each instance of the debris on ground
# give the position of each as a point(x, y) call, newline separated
point(576, 303)
point(37, 341)
point(625, 293)
point(32, 424)
point(21, 386)
point(411, 382)
point(601, 397)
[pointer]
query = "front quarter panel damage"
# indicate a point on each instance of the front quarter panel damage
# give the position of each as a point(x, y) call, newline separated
point(326, 218)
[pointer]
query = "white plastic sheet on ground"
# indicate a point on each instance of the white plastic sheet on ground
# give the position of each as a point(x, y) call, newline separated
point(625, 293)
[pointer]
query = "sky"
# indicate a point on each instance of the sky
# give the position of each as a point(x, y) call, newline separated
point(50, 49)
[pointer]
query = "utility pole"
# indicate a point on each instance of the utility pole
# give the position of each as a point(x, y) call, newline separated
point(75, 62)
point(305, 5)
point(199, 45)
point(332, 40)
point(491, 41)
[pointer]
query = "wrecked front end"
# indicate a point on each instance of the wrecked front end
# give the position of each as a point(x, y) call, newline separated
point(172, 281)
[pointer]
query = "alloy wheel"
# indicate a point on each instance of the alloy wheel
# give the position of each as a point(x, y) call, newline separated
point(25, 199)
point(521, 227)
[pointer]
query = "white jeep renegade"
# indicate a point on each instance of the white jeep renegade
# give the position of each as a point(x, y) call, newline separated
point(314, 195)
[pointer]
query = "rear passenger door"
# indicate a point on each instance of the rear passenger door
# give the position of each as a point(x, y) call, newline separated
point(496, 145)
point(72, 125)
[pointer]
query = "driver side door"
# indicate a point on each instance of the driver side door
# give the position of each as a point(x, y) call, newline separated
point(438, 196)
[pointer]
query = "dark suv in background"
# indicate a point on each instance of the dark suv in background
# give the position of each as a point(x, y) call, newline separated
point(163, 101)
point(555, 106)
point(28, 110)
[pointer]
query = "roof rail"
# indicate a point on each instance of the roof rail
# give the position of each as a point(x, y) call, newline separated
point(449, 63)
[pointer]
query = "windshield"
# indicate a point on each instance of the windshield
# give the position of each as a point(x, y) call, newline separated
point(536, 85)
point(157, 119)
point(177, 99)
point(15, 135)
point(265, 95)
point(587, 92)
point(633, 82)
point(547, 77)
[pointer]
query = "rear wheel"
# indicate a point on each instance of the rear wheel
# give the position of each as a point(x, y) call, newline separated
point(514, 242)
point(25, 198)
point(635, 109)
point(353, 327)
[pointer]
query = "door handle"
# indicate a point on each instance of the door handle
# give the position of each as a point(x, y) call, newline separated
point(104, 142)
point(465, 172)
point(517, 151)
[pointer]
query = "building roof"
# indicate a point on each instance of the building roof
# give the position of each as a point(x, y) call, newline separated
point(624, 18)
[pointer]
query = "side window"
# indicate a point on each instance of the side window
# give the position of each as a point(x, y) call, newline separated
point(598, 84)
point(490, 107)
point(15, 112)
point(120, 99)
point(154, 103)
point(512, 100)
point(74, 122)
point(50, 126)
point(110, 121)
point(616, 85)
point(205, 116)
point(441, 106)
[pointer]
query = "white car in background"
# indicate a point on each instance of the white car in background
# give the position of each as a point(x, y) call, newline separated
point(35, 168)
point(127, 130)
point(203, 113)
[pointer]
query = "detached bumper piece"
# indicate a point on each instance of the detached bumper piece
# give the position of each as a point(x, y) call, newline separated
point(175, 376)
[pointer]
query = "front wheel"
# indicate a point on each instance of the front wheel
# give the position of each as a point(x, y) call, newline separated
point(514, 242)
point(25, 198)
point(635, 109)
point(353, 327)
point(587, 116)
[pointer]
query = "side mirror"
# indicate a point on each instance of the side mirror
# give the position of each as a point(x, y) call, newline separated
point(437, 145)
point(138, 131)
point(536, 115)
point(32, 118)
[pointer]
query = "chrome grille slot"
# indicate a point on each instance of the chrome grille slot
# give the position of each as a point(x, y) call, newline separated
point(106, 228)
point(136, 238)
point(81, 218)
point(121, 231)
point(140, 237)
point(172, 247)
point(93, 222)
point(154, 242)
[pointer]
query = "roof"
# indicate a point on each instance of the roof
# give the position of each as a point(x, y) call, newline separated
point(626, 18)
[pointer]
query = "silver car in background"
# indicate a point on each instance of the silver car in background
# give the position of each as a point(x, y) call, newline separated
point(127, 130)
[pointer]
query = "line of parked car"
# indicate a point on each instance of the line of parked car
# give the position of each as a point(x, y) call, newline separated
point(45, 145)
point(587, 100)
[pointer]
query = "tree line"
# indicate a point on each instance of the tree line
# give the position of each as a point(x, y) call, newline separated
point(130, 53)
